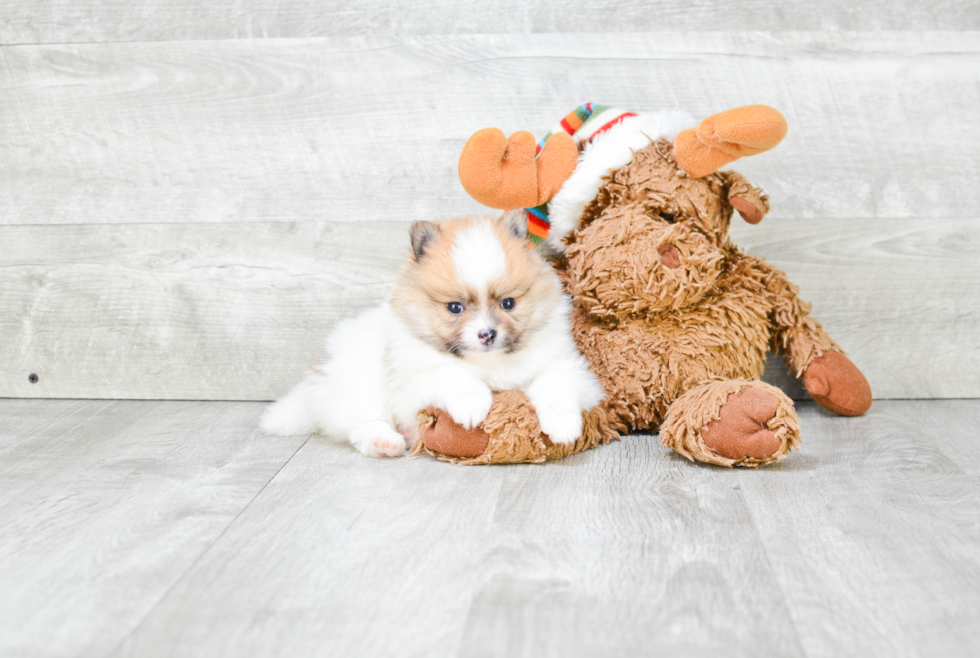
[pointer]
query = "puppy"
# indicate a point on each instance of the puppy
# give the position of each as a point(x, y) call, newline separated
point(473, 311)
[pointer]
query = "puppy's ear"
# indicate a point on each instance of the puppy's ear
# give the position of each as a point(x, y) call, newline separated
point(515, 221)
point(424, 235)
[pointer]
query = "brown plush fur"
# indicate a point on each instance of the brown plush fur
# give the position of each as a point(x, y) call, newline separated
point(654, 333)
point(676, 321)
point(682, 428)
point(514, 434)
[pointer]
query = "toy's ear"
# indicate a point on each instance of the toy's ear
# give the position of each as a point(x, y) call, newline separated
point(423, 235)
point(750, 202)
point(728, 136)
point(505, 173)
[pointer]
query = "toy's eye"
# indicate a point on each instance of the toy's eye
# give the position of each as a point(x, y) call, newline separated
point(669, 216)
point(507, 303)
point(454, 307)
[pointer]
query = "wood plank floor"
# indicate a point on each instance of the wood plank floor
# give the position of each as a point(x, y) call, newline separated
point(176, 529)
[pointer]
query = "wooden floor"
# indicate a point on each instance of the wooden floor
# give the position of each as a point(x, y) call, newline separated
point(176, 529)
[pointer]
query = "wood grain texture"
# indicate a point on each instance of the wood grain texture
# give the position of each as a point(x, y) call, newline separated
point(104, 506)
point(61, 21)
point(240, 311)
point(862, 544)
point(876, 553)
point(358, 550)
point(370, 128)
point(182, 311)
point(900, 296)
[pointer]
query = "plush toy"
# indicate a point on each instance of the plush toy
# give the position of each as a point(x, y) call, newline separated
point(673, 318)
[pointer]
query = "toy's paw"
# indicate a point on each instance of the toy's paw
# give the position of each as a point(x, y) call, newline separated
point(470, 403)
point(447, 437)
point(562, 423)
point(837, 384)
point(732, 423)
point(742, 430)
point(378, 439)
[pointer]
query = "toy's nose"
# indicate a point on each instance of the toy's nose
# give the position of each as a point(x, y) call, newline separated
point(669, 256)
point(486, 336)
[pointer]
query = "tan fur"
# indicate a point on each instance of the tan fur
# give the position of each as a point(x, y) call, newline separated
point(515, 435)
point(642, 285)
point(712, 318)
point(681, 429)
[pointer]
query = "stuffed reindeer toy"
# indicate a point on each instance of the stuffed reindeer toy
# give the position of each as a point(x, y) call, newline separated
point(670, 314)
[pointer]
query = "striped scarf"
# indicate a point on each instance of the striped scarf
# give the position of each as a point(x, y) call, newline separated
point(583, 124)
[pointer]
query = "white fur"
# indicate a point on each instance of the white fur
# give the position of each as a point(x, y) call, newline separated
point(377, 375)
point(471, 335)
point(478, 256)
point(610, 150)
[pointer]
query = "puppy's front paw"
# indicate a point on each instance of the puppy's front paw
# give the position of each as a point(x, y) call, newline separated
point(562, 423)
point(411, 434)
point(378, 439)
point(470, 403)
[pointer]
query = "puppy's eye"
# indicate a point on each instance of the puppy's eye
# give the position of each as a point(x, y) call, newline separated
point(507, 303)
point(454, 307)
point(669, 216)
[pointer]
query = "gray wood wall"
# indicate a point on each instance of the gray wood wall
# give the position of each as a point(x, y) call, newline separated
point(191, 193)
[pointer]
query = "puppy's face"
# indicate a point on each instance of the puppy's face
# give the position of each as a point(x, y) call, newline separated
point(472, 287)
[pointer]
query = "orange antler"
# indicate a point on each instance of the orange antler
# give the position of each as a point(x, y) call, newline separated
point(728, 136)
point(504, 173)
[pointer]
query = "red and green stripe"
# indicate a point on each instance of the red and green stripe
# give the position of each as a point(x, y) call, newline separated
point(538, 225)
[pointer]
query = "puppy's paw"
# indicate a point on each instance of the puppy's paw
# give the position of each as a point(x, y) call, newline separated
point(562, 423)
point(469, 403)
point(378, 439)
point(411, 434)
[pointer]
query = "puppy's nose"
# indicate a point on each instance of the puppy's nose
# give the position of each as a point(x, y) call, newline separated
point(486, 336)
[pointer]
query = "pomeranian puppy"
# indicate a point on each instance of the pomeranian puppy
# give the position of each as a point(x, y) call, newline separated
point(473, 311)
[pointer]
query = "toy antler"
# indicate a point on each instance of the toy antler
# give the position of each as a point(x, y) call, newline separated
point(728, 136)
point(504, 173)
